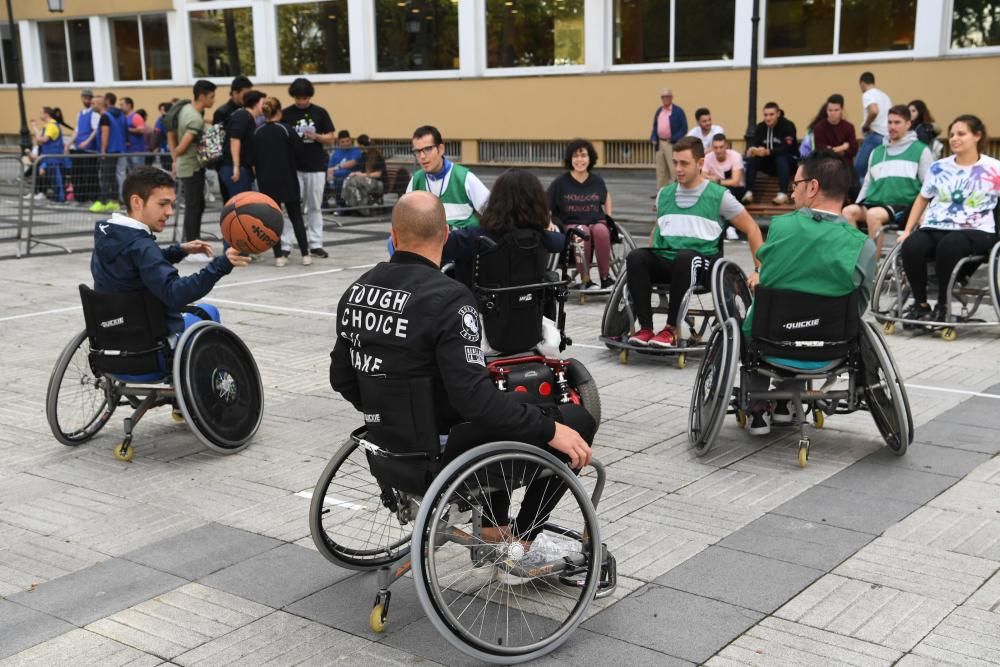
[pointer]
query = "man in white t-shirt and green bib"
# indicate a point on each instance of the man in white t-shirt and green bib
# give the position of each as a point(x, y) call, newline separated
point(464, 196)
point(692, 214)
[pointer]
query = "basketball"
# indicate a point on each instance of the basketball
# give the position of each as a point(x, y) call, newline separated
point(251, 222)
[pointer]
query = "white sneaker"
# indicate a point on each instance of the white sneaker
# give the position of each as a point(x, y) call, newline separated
point(40, 196)
point(198, 258)
point(747, 197)
point(732, 234)
point(782, 413)
point(544, 551)
point(759, 424)
point(780, 199)
point(307, 260)
point(281, 261)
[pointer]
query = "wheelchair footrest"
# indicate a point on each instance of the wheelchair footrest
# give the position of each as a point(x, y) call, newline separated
point(608, 575)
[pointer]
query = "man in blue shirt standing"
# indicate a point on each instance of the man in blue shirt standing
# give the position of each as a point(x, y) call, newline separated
point(669, 126)
point(346, 159)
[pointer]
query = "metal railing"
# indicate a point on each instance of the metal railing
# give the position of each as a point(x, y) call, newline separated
point(13, 206)
point(542, 153)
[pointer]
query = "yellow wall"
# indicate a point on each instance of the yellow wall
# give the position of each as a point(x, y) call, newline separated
point(39, 9)
point(601, 107)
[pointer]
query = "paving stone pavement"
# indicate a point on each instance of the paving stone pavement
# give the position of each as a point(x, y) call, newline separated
point(187, 557)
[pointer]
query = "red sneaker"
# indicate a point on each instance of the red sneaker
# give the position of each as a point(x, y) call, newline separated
point(663, 339)
point(641, 337)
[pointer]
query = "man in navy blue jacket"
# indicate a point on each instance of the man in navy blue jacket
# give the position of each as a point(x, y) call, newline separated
point(127, 258)
point(669, 126)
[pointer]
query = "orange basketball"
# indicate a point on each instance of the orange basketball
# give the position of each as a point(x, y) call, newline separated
point(251, 222)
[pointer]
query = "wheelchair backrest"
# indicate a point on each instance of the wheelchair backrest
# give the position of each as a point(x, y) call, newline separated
point(512, 319)
point(798, 325)
point(127, 331)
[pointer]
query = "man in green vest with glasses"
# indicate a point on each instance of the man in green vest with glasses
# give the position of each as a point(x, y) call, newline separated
point(691, 218)
point(463, 195)
point(813, 250)
point(896, 170)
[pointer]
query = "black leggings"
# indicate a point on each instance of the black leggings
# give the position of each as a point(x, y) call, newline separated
point(541, 495)
point(294, 211)
point(645, 267)
point(947, 248)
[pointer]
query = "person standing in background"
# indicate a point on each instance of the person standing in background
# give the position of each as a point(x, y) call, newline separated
point(84, 143)
point(135, 126)
point(240, 86)
point(875, 110)
point(315, 127)
point(669, 126)
point(236, 170)
point(184, 144)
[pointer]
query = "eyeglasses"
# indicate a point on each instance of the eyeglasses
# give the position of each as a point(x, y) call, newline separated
point(795, 184)
point(426, 150)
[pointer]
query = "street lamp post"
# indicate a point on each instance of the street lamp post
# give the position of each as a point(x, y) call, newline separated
point(16, 62)
point(752, 103)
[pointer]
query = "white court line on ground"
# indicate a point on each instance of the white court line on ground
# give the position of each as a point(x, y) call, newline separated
point(44, 312)
point(950, 391)
point(264, 306)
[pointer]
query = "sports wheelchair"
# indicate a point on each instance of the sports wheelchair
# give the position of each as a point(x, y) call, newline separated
point(797, 340)
point(621, 245)
point(716, 277)
point(394, 501)
point(125, 358)
point(967, 290)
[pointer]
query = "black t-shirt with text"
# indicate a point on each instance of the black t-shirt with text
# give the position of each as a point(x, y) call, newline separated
point(312, 155)
point(575, 203)
point(241, 125)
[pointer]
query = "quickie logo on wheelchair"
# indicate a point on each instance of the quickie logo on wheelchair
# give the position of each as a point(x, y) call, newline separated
point(536, 375)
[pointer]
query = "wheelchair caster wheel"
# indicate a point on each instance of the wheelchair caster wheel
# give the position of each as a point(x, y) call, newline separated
point(583, 298)
point(623, 356)
point(741, 419)
point(803, 453)
point(124, 452)
point(377, 619)
point(888, 328)
point(949, 334)
point(818, 418)
point(177, 416)
point(681, 361)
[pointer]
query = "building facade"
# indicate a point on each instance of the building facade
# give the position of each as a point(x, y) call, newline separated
point(510, 80)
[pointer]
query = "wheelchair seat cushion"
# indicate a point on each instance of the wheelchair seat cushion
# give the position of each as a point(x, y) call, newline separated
point(801, 366)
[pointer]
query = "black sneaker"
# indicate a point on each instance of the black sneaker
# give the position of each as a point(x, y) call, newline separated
point(319, 252)
point(607, 283)
point(939, 313)
point(917, 311)
point(782, 412)
point(760, 424)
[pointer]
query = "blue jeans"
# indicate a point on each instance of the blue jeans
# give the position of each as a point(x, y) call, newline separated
point(244, 184)
point(872, 141)
point(52, 166)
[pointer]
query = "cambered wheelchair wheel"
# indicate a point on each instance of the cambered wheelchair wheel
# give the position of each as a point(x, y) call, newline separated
point(76, 403)
point(891, 290)
point(617, 319)
point(885, 393)
point(353, 521)
point(730, 293)
point(219, 390)
point(581, 380)
point(994, 279)
point(620, 251)
point(713, 388)
point(490, 617)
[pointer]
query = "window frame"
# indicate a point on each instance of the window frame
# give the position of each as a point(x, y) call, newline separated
point(371, 52)
point(260, 24)
point(961, 51)
point(275, 58)
point(907, 54)
point(34, 28)
point(115, 81)
point(482, 53)
point(670, 65)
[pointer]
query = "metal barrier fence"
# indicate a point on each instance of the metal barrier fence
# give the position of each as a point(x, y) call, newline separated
point(13, 206)
point(547, 153)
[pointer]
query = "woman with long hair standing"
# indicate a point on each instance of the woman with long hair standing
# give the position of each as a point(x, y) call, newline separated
point(273, 162)
point(49, 140)
point(957, 203)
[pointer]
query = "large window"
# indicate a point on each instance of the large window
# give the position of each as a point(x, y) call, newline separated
point(7, 73)
point(534, 33)
point(808, 27)
point(222, 42)
point(312, 38)
point(416, 35)
point(66, 52)
point(644, 32)
point(975, 23)
point(141, 48)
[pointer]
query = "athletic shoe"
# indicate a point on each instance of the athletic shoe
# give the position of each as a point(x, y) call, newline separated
point(782, 412)
point(319, 252)
point(96, 207)
point(307, 260)
point(732, 234)
point(780, 199)
point(283, 260)
point(641, 337)
point(939, 313)
point(760, 424)
point(918, 311)
point(545, 551)
point(591, 286)
point(664, 339)
point(607, 283)
point(112, 206)
point(198, 258)
point(747, 197)
point(40, 196)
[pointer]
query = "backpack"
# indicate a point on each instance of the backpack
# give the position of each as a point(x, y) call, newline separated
point(211, 145)
point(171, 120)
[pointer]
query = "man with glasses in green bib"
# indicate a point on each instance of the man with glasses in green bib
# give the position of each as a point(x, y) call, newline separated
point(461, 192)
